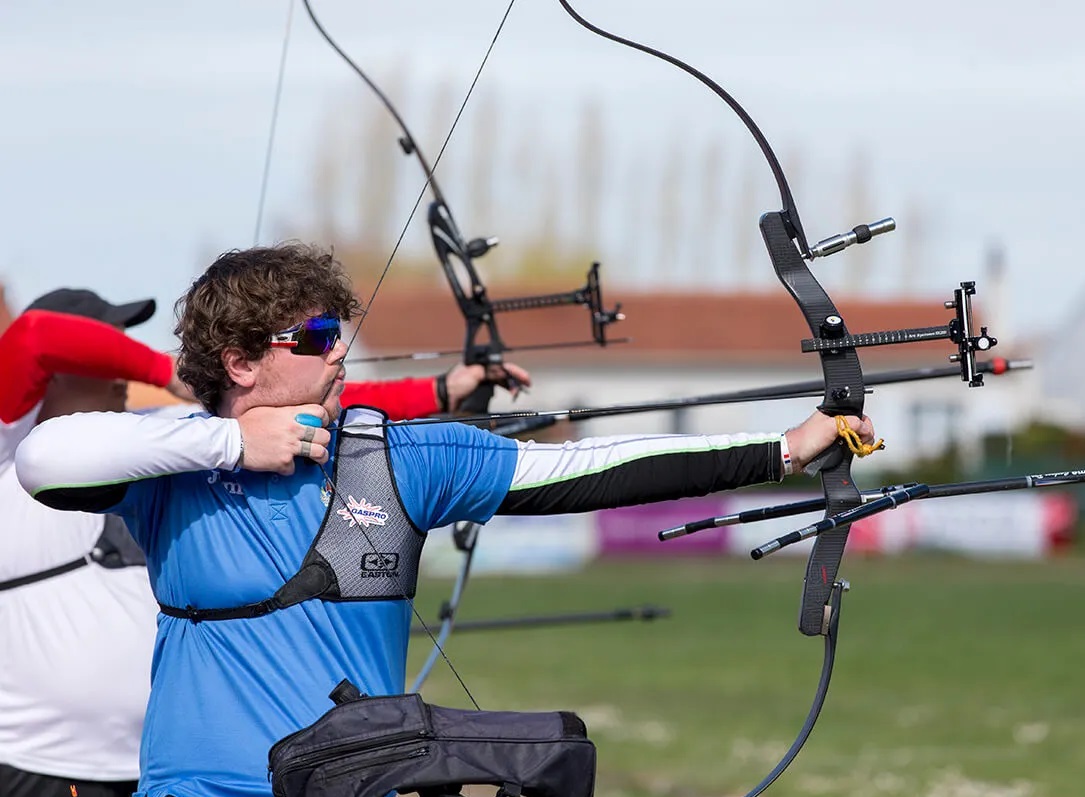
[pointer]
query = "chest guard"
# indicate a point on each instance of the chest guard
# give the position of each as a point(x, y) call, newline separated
point(370, 545)
point(367, 548)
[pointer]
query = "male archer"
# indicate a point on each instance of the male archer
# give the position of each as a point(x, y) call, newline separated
point(77, 615)
point(265, 607)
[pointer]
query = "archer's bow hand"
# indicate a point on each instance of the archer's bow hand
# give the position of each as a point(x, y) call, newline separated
point(462, 380)
point(806, 441)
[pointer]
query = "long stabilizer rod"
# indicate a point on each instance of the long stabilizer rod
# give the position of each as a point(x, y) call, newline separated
point(642, 613)
point(933, 491)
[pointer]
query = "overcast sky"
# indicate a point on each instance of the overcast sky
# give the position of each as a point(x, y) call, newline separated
point(133, 133)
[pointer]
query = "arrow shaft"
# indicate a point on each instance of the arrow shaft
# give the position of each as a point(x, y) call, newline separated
point(812, 388)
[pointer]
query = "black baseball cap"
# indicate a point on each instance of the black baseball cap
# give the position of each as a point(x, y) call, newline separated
point(90, 305)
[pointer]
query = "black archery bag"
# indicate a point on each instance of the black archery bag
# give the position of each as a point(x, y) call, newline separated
point(373, 746)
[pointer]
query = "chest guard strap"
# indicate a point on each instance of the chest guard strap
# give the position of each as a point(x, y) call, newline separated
point(312, 581)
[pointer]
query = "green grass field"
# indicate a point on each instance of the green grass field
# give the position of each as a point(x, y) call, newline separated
point(953, 678)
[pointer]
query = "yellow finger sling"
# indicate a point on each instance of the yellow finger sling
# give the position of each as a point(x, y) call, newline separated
point(855, 443)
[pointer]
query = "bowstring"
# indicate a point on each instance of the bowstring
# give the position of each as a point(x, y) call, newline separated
point(265, 177)
point(399, 240)
point(440, 153)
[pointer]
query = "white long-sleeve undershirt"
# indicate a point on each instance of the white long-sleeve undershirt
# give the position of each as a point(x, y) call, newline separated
point(92, 449)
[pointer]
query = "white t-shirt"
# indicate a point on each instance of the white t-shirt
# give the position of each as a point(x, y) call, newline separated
point(75, 649)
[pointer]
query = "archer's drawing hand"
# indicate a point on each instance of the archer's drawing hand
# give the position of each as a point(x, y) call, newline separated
point(273, 436)
point(462, 380)
point(818, 432)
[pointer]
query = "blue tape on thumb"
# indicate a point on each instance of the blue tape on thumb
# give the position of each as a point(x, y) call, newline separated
point(305, 419)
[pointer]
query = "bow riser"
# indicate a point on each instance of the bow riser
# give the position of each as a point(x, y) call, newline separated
point(449, 246)
point(844, 394)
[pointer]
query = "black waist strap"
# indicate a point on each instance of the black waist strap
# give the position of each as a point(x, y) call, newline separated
point(238, 612)
point(312, 581)
point(41, 575)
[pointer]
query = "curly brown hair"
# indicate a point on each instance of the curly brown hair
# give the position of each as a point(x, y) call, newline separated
point(243, 298)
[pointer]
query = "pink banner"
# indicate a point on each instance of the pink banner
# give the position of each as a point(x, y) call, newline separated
point(632, 530)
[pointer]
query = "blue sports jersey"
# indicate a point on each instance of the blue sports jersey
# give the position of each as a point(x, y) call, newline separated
point(224, 691)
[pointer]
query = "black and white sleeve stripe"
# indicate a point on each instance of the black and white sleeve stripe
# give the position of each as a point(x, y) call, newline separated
point(605, 472)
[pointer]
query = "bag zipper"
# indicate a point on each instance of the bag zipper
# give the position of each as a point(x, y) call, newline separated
point(333, 769)
point(317, 756)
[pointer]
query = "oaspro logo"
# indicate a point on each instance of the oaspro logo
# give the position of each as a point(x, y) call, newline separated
point(362, 512)
point(380, 565)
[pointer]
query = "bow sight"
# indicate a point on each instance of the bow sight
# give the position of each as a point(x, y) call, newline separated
point(480, 311)
point(958, 330)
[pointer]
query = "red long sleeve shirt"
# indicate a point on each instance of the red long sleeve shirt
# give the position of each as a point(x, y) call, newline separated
point(40, 343)
point(402, 399)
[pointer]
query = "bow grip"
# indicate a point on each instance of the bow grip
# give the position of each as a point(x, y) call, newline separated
point(477, 401)
point(827, 459)
point(831, 456)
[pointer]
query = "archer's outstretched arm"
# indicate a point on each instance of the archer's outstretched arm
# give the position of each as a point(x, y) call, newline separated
point(451, 472)
point(605, 472)
point(600, 473)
